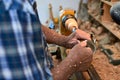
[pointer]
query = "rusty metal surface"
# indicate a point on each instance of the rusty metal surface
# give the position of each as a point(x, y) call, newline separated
point(92, 73)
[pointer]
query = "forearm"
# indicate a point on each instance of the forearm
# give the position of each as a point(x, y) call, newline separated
point(64, 70)
point(53, 37)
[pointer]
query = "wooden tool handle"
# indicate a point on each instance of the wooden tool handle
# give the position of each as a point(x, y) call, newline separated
point(50, 12)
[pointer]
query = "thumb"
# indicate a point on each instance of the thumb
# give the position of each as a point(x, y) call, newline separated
point(83, 43)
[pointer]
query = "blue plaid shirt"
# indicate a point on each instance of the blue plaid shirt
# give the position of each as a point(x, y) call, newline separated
point(23, 51)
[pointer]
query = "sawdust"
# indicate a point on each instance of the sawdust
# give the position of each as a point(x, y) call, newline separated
point(106, 70)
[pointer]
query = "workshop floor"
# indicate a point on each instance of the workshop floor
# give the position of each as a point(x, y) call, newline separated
point(106, 70)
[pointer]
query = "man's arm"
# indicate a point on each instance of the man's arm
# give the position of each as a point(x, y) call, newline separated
point(54, 37)
point(65, 41)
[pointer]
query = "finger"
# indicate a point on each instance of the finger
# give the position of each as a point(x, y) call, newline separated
point(78, 41)
point(83, 35)
point(83, 43)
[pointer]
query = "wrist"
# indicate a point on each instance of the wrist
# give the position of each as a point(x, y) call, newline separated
point(61, 40)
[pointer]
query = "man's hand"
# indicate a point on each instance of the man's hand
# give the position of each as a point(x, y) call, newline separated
point(76, 37)
point(81, 57)
point(78, 59)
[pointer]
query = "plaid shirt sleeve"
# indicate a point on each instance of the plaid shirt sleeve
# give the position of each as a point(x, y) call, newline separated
point(32, 1)
point(23, 51)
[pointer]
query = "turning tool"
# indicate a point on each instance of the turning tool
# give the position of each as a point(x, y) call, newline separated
point(109, 53)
